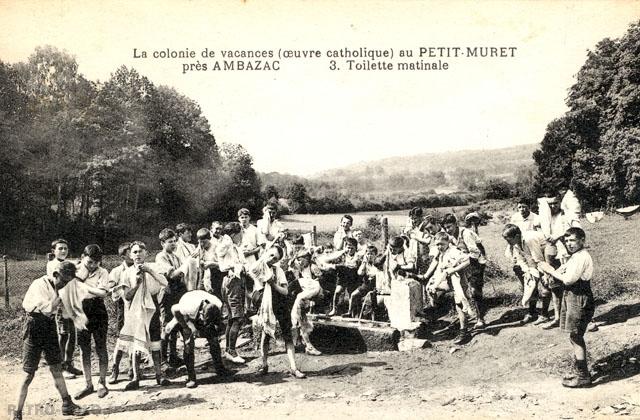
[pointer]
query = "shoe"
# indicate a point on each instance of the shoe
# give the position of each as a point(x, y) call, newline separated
point(554, 324)
point(68, 375)
point(102, 391)
point(578, 381)
point(541, 320)
point(72, 369)
point(262, 370)
point(572, 372)
point(480, 324)
point(232, 356)
point(175, 361)
point(332, 312)
point(592, 327)
point(191, 384)
point(527, 318)
point(132, 386)
point(462, 337)
point(87, 391)
point(17, 416)
point(297, 374)
point(69, 408)
point(113, 379)
point(162, 381)
point(312, 351)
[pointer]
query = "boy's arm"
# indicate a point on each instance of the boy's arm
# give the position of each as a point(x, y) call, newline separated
point(96, 291)
point(156, 276)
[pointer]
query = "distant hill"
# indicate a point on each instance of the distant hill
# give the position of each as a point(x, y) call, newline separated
point(494, 162)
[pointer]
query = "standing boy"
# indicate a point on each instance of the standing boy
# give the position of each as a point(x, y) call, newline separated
point(41, 303)
point(185, 250)
point(116, 277)
point(169, 265)
point(343, 232)
point(577, 302)
point(250, 236)
point(66, 329)
point(525, 219)
point(469, 243)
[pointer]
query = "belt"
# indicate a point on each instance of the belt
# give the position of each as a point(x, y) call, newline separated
point(38, 314)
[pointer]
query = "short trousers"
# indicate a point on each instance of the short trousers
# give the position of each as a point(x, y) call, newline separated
point(475, 275)
point(39, 335)
point(119, 314)
point(155, 326)
point(233, 296)
point(347, 278)
point(281, 309)
point(97, 326)
point(365, 287)
point(170, 297)
point(578, 307)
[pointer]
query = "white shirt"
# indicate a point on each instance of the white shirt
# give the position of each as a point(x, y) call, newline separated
point(229, 254)
point(116, 277)
point(269, 231)
point(578, 267)
point(184, 249)
point(190, 302)
point(250, 240)
point(338, 238)
point(40, 297)
point(259, 281)
point(99, 278)
point(531, 222)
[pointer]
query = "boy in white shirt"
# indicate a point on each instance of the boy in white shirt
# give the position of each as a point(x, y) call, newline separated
point(344, 231)
point(525, 219)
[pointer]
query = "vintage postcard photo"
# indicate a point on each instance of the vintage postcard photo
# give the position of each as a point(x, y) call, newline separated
point(332, 209)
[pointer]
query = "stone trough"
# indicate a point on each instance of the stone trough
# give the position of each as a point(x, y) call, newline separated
point(348, 335)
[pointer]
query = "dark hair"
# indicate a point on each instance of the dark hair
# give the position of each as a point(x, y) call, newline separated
point(351, 241)
point(348, 217)
point(280, 251)
point(182, 228)
point(372, 248)
point(449, 218)
point(577, 232)
point(416, 212)
point(55, 243)
point(93, 251)
point(271, 206)
point(232, 228)
point(525, 201)
point(511, 231)
point(124, 248)
point(244, 212)
point(166, 234)
point(298, 240)
point(396, 242)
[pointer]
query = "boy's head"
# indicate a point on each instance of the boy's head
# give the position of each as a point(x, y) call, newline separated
point(524, 208)
point(204, 238)
point(184, 231)
point(359, 236)
point(450, 224)
point(371, 253)
point(168, 240)
point(554, 204)
point(60, 249)
point(244, 217)
point(64, 273)
point(574, 239)
point(273, 254)
point(432, 225)
point(216, 229)
point(91, 257)
point(416, 214)
point(234, 230)
point(346, 222)
point(396, 245)
point(442, 241)
point(303, 258)
point(271, 210)
point(124, 251)
point(350, 245)
point(473, 219)
point(512, 234)
point(138, 252)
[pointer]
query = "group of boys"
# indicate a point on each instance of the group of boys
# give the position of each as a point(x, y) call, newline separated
point(239, 269)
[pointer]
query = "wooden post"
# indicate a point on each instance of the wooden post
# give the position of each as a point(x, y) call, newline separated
point(314, 236)
point(6, 282)
point(385, 231)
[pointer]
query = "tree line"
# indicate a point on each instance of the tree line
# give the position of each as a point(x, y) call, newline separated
point(100, 161)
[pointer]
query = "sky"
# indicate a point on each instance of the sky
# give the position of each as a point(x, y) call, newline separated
point(306, 118)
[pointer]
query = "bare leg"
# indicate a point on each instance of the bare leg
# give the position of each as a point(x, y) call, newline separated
point(24, 388)
point(58, 379)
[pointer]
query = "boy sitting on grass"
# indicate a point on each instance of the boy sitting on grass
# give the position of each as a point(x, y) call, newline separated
point(577, 302)
point(41, 303)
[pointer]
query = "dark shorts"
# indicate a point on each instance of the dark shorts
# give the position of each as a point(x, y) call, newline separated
point(39, 335)
point(233, 296)
point(577, 308)
point(120, 314)
point(281, 309)
point(475, 273)
point(97, 326)
point(64, 326)
point(170, 297)
point(366, 286)
point(347, 278)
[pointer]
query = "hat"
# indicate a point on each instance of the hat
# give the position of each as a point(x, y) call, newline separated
point(303, 253)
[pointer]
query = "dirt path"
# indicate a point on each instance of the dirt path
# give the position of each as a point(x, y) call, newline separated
point(508, 371)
